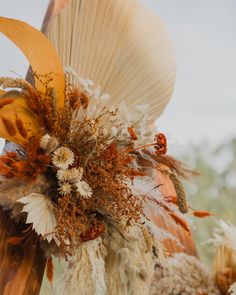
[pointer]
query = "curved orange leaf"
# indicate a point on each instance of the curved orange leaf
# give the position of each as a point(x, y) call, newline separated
point(17, 122)
point(39, 51)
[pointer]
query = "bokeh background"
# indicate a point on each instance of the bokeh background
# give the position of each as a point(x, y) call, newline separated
point(200, 121)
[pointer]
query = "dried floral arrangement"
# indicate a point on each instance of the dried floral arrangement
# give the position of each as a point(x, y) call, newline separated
point(86, 156)
point(82, 170)
point(76, 173)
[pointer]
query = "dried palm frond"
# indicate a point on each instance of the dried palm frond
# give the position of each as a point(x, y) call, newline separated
point(41, 55)
point(120, 45)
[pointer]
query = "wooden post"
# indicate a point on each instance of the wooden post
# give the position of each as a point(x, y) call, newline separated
point(21, 265)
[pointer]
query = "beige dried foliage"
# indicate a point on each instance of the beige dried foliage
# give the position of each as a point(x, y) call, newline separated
point(122, 46)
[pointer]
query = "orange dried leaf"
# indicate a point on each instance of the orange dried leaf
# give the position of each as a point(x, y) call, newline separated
point(39, 51)
point(203, 214)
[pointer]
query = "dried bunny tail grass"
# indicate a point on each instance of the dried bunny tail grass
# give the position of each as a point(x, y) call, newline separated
point(183, 274)
point(129, 268)
point(21, 128)
point(7, 82)
point(9, 125)
point(148, 238)
point(120, 45)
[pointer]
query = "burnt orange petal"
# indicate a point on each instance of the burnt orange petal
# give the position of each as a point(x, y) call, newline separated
point(39, 51)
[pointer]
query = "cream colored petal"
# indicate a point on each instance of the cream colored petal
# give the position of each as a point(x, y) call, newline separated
point(40, 212)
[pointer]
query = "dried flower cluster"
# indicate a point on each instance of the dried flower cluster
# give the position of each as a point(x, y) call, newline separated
point(85, 154)
point(90, 155)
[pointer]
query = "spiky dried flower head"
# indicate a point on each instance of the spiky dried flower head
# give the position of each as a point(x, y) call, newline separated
point(63, 157)
point(65, 189)
point(75, 174)
point(84, 189)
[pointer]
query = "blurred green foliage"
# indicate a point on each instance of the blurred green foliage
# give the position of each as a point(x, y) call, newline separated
point(213, 190)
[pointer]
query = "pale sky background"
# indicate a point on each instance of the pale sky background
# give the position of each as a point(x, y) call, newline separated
point(203, 106)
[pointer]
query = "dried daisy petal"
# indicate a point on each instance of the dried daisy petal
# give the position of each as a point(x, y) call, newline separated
point(62, 175)
point(65, 189)
point(84, 189)
point(63, 157)
point(75, 174)
point(70, 175)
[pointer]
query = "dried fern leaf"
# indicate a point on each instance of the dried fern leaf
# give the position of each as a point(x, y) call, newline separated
point(121, 46)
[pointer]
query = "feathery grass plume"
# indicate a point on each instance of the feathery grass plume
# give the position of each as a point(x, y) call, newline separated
point(77, 278)
point(97, 266)
point(129, 268)
point(183, 274)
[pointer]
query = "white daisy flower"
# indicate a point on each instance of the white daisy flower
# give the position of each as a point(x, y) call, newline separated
point(63, 157)
point(40, 211)
point(75, 174)
point(70, 175)
point(65, 189)
point(62, 175)
point(84, 189)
